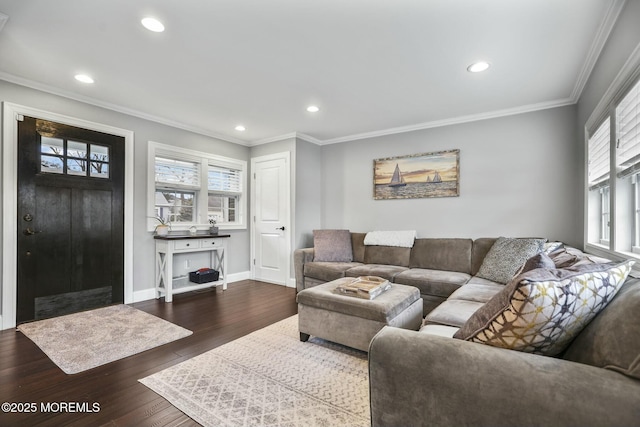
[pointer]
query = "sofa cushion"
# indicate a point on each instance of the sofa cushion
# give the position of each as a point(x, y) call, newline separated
point(439, 330)
point(541, 311)
point(388, 255)
point(612, 339)
point(442, 254)
point(506, 256)
point(475, 280)
point(386, 271)
point(327, 271)
point(432, 282)
point(452, 312)
point(476, 292)
point(566, 256)
point(357, 242)
point(332, 245)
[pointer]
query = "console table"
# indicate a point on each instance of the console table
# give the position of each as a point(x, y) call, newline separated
point(169, 248)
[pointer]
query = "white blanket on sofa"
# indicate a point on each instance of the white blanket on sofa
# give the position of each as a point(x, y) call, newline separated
point(403, 239)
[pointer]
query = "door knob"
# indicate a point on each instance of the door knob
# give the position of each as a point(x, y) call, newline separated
point(280, 228)
point(29, 232)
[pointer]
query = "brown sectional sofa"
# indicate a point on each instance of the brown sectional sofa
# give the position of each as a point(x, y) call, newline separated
point(437, 267)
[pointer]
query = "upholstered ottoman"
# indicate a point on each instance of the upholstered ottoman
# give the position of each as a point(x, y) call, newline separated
point(354, 321)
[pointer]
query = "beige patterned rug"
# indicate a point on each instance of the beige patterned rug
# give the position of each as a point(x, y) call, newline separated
point(270, 378)
point(81, 341)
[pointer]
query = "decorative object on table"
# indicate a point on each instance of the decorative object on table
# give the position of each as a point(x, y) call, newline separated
point(213, 229)
point(204, 275)
point(434, 174)
point(164, 226)
point(193, 230)
point(365, 287)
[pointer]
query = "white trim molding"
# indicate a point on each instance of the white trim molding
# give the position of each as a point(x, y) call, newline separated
point(10, 195)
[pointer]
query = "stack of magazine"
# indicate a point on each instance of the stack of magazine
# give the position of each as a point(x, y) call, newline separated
point(365, 287)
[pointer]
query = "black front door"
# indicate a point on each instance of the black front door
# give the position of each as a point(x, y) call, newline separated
point(70, 219)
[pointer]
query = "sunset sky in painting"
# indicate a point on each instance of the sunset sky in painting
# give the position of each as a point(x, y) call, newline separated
point(417, 168)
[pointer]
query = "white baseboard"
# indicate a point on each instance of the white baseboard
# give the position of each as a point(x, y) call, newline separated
point(144, 295)
point(147, 294)
point(236, 277)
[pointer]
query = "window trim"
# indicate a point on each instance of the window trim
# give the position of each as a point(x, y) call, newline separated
point(204, 160)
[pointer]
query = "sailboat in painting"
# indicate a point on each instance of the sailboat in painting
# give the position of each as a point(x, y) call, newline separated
point(436, 178)
point(397, 180)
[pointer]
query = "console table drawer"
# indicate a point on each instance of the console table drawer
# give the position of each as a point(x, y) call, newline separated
point(186, 244)
point(210, 243)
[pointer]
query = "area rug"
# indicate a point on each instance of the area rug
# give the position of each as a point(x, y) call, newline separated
point(270, 378)
point(81, 341)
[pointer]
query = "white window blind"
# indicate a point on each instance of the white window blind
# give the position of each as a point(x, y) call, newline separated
point(598, 166)
point(628, 132)
point(224, 180)
point(177, 173)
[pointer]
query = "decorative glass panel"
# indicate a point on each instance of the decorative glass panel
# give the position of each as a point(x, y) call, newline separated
point(99, 152)
point(76, 149)
point(52, 146)
point(77, 167)
point(51, 164)
point(99, 169)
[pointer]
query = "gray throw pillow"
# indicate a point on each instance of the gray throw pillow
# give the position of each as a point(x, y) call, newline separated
point(506, 256)
point(332, 246)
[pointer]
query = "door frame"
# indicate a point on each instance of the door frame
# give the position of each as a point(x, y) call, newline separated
point(10, 113)
point(286, 155)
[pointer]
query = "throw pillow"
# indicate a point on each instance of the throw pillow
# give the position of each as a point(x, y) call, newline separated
point(541, 311)
point(506, 256)
point(332, 246)
point(540, 260)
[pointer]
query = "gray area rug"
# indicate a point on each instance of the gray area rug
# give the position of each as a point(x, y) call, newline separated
point(81, 341)
point(270, 378)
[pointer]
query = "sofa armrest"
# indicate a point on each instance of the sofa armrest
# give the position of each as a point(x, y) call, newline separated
point(300, 256)
point(421, 379)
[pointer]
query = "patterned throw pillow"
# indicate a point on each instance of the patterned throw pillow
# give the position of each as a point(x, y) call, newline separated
point(506, 256)
point(332, 246)
point(541, 311)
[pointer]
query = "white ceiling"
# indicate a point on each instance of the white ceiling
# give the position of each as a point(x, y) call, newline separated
point(372, 66)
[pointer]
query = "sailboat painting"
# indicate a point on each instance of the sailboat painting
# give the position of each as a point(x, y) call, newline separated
point(417, 176)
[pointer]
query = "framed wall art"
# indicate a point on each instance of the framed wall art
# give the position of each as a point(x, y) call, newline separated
point(417, 176)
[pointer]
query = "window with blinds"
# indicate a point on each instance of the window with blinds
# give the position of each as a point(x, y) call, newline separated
point(188, 188)
point(598, 166)
point(177, 173)
point(628, 133)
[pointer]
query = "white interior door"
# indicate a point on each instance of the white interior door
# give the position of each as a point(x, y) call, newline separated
point(271, 215)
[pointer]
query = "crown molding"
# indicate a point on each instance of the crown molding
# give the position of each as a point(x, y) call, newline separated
point(454, 121)
point(601, 37)
point(117, 108)
point(297, 135)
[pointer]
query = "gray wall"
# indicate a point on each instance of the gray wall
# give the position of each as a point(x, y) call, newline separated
point(622, 41)
point(308, 205)
point(517, 178)
point(143, 246)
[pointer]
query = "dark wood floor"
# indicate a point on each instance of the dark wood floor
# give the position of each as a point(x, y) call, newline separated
point(28, 376)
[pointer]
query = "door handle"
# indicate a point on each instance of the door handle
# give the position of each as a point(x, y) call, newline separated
point(29, 232)
point(280, 228)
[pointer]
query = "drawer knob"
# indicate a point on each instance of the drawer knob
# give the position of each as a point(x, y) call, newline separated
point(188, 244)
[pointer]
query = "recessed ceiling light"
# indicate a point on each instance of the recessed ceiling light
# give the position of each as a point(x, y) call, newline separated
point(478, 67)
point(83, 78)
point(152, 24)
point(240, 128)
point(313, 109)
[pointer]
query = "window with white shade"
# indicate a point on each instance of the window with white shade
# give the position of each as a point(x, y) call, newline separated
point(190, 188)
point(613, 175)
